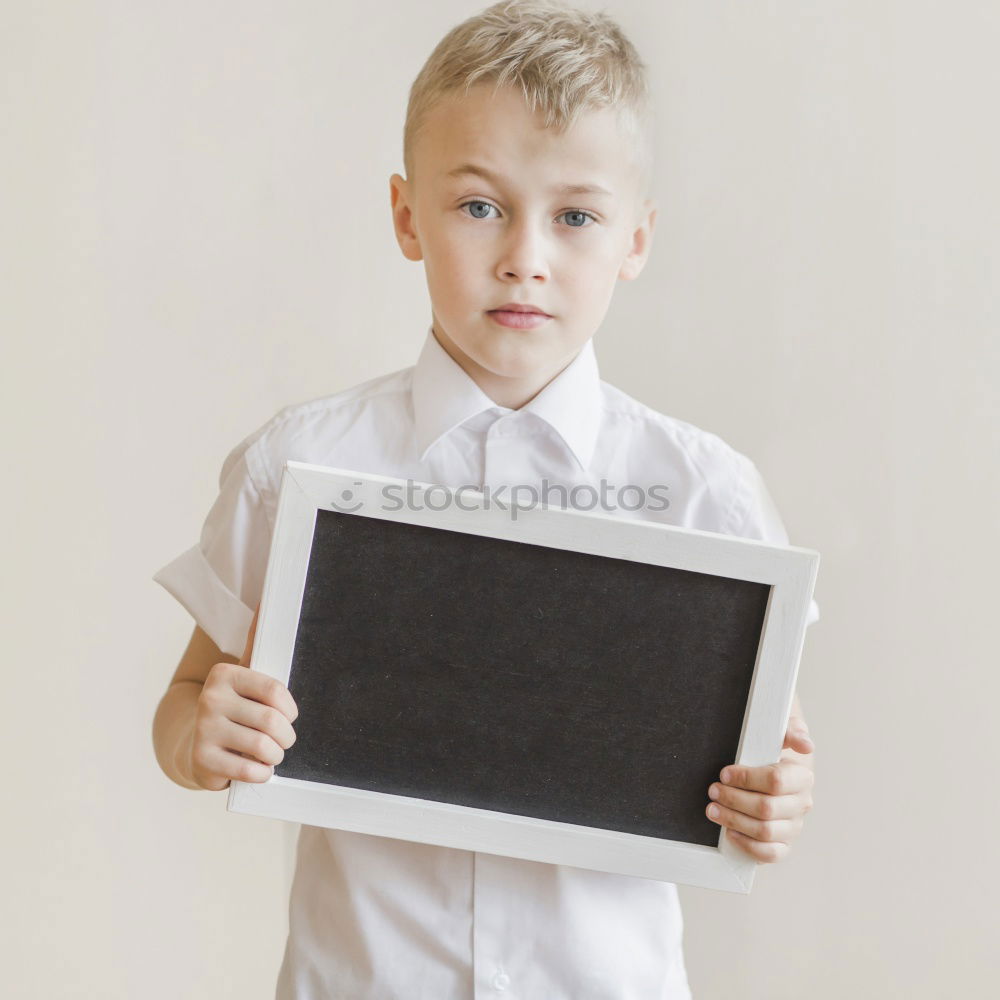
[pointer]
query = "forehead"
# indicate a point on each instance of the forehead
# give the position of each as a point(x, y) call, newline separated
point(499, 133)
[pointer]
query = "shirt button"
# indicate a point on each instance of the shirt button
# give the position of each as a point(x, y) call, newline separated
point(501, 981)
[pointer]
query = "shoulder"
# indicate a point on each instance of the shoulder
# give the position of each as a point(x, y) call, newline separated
point(711, 481)
point(305, 430)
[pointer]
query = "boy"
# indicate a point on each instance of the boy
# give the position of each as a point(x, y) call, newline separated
point(527, 156)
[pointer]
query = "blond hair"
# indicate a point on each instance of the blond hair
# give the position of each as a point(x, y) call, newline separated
point(565, 60)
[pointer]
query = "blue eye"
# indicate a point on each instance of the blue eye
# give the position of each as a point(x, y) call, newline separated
point(582, 215)
point(481, 204)
point(577, 213)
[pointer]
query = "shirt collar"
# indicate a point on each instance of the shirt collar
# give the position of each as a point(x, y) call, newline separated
point(445, 396)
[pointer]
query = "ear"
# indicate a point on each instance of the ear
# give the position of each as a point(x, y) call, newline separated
point(641, 242)
point(402, 218)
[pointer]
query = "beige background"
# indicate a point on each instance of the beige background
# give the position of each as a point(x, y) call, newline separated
point(195, 231)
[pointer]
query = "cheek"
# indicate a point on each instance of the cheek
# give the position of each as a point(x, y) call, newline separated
point(452, 248)
point(598, 253)
point(613, 259)
point(441, 257)
point(594, 271)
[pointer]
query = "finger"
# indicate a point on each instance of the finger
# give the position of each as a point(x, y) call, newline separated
point(799, 742)
point(758, 804)
point(785, 777)
point(763, 853)
point(780, 830)
point(263, 718)
point(248, 649)
point(265, 689)
point(250, 742)
point(225, 764)
point(797, 734)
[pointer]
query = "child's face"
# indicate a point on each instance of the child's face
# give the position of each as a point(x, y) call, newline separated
point(514, 236)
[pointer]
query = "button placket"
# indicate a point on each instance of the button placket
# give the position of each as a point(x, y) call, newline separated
point(497, 920)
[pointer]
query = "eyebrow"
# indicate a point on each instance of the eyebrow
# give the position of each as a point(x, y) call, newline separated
point(474, 170)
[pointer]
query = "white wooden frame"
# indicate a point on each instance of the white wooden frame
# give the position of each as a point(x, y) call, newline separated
point(790, 571)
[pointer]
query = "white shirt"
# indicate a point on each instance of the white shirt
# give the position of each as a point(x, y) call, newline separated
point(376, 918)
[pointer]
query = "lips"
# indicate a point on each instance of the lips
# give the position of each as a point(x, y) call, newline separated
point(519, 318)
point(520, 308)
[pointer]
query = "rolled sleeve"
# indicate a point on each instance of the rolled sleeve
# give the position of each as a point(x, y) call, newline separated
point(219, 581)
point(754, 514)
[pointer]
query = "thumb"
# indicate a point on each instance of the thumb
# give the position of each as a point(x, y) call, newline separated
point(248, 649)
point(797, 737)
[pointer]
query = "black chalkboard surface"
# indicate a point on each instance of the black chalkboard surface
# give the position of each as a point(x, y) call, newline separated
point(520, 678)
point(566, 685)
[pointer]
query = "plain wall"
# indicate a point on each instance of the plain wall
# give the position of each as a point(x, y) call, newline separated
point(195, 231)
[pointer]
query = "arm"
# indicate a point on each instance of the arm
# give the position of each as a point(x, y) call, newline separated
point(173, 724)
point(220, 721)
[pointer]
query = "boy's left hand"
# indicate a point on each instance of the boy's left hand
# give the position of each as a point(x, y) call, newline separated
point(763, 807)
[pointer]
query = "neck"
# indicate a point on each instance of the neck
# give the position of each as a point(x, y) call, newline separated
point(508, 391)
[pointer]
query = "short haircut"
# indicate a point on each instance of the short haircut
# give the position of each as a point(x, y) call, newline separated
point(565, 61)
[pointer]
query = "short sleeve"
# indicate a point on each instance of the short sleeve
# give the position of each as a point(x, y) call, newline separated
point(220, 580)
point(755, 515)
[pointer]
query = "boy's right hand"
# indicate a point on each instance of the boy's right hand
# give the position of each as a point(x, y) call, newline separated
point(243, 723)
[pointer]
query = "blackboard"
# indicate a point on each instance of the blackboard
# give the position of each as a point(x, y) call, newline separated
point(520, 678)
point(568, 684)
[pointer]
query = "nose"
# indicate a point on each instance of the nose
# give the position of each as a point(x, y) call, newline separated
point(523, 256)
